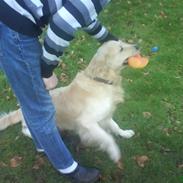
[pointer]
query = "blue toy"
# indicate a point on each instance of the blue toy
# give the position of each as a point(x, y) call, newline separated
point(154, 49)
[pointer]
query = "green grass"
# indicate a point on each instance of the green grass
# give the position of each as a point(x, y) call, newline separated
point(157, 89)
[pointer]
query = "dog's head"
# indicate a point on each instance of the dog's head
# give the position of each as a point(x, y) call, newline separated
point(116, 53)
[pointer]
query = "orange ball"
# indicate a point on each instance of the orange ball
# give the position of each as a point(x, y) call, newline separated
point(138, 62)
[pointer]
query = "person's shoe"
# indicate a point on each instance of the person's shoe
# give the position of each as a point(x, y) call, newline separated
point(84, 175)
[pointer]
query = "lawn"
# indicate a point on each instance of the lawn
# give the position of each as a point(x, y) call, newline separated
point(153, 107)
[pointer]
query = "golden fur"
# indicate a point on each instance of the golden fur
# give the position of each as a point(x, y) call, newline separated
point(86, 105)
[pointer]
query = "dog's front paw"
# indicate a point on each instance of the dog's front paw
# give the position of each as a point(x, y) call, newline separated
point(127, 133)
point(26, 132)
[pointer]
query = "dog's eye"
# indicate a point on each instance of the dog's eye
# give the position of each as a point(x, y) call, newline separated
point(121, 49)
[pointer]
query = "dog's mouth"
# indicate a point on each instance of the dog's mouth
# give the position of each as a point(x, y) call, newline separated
point(125, 63)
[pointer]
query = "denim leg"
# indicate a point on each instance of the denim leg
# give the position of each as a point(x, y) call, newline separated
point(21, 63)
point(0, 66)
point(36, 143)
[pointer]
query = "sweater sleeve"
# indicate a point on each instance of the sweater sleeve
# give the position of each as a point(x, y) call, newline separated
point(99, 32)
point(63, 25)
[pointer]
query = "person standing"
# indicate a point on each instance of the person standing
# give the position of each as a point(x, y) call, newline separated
point(29, 66)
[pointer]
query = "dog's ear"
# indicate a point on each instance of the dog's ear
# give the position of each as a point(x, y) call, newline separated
point(98, 59)
point(96, 64)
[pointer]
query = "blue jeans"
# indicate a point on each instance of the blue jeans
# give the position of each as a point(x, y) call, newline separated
point(20, 60)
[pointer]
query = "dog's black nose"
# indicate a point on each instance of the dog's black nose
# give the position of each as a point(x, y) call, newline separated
point(137, 47)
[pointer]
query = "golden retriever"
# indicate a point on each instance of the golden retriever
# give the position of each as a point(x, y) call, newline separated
point(86, 106)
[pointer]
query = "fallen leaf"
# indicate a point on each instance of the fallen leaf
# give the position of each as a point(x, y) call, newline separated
point(165, 150)
point(7, 97)
point(17, 137)
point(130, 41)
point(163, 15)
point(146, 73)
point(141, 160)
point(147, 115)
point(15, 161)
point(129, 2)
point(120, 165)
point(167, 131)
point(63, 65)
point(130, 80)
point(63, 77)
point(180, 166)
point(39, 163)
point(2, 164)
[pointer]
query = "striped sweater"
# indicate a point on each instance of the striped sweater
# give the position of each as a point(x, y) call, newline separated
point(63, 17)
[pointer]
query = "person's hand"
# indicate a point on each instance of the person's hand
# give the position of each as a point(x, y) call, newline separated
point(51, 82)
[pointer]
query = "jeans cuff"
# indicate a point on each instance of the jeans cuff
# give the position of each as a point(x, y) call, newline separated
point(69, 169)
point(39, 150)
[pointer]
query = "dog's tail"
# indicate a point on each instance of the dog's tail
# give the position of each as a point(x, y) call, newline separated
point(10, 119)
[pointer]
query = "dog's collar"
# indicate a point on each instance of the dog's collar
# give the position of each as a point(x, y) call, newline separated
point(103, 80)
point(98, 79)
